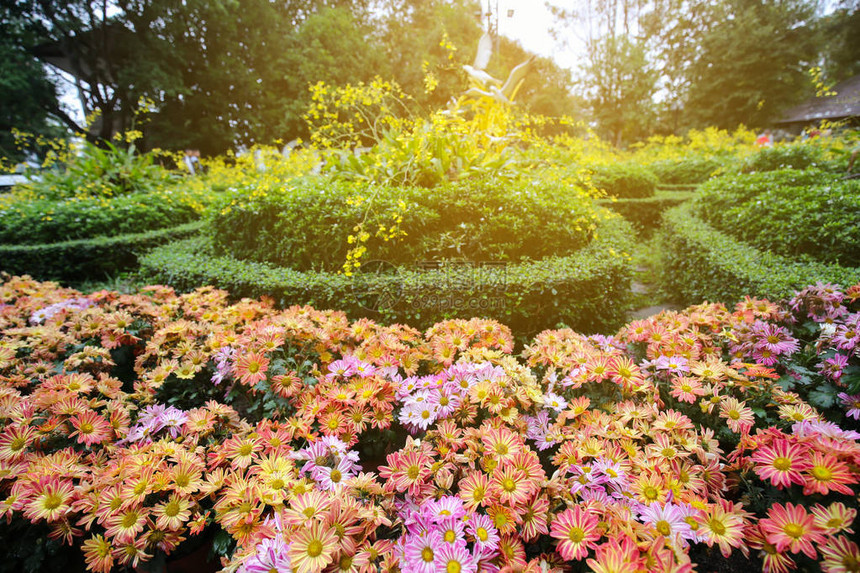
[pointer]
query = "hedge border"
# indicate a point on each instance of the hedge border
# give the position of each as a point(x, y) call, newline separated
point(85, 259)
point(700, 263)
point(588, 290)
point(645, 213)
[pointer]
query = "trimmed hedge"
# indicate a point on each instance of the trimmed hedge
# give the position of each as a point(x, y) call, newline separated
point(41, 221)
point(686, 171)
point(587, 290)
point(624, 180)
point(785, 156)
point(799, 214)
point(700, 263)
point(646, 213)
point(87, 258)
point(304, 226)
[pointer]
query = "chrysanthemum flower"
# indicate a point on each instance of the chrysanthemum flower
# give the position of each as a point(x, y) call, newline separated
point(835, 518)
point(312, 549)
point(98, 554)
point(486, 537)
point(510, 486)
point(14, 441)
point(782, 462)
point(473, 489)
point(456, 559)
point(250, 368)
point(825, 474)
point(841, 555)
point(172, 514)
point(725, 524)
point(791, 527)
point(271, 555)
point(422, 553)
point(534, 516)
point(615, 557)
point(50, 500)
point(739, 418)
point(667, 520)
point(576, 530)
point(125, 524)
point(686, 389)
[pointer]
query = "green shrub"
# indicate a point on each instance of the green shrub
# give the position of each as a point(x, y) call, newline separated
point(587, 290)
point(792, 213)
point(624, 180)
point(305, 226)
point(784, 156)
point(46, 221)
point(646, 213)
point(93, 171)
point(686, 171)
point(85, 259)
point(700, 263)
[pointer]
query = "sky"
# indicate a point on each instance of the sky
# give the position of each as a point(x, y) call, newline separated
point(530, 21)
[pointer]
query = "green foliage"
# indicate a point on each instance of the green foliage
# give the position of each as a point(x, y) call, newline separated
point(751, 62)
point(700, 263)
point(304, 226)
point(645, 214)
point(25, 96)
point(621, 83)
point(47, 221)
point(93, 171)
point(587, 290)
point(625, 180)
point(685, 171)
point(793, 156)
point(86, 259)
point(801, 214)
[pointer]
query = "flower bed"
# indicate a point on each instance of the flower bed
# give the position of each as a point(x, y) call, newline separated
point(130, 422)
point(699, 262)
point(586, 290)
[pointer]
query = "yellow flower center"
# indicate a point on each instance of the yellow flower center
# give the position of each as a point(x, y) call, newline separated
point(793, 530)
point(172, 508)
point(315, 548)
point(412, 472)
point(17, 444)
point(734, 415)
point(822, 473)
point(277, 483)
point(717, 526)
point(130, 519)
point(335, 476)
point(650, 492)
point(182, 480)
point(482, 534)
point(427, 554)
point(509, 485)
point(782, 464)
point(450, 536)
point(309, 511)
point(453, 567)
point(576, 534)
point(246, 449)
point(52, 501)
point(663, 527)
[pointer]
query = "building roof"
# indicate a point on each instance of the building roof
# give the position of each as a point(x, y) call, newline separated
point(845, 104)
